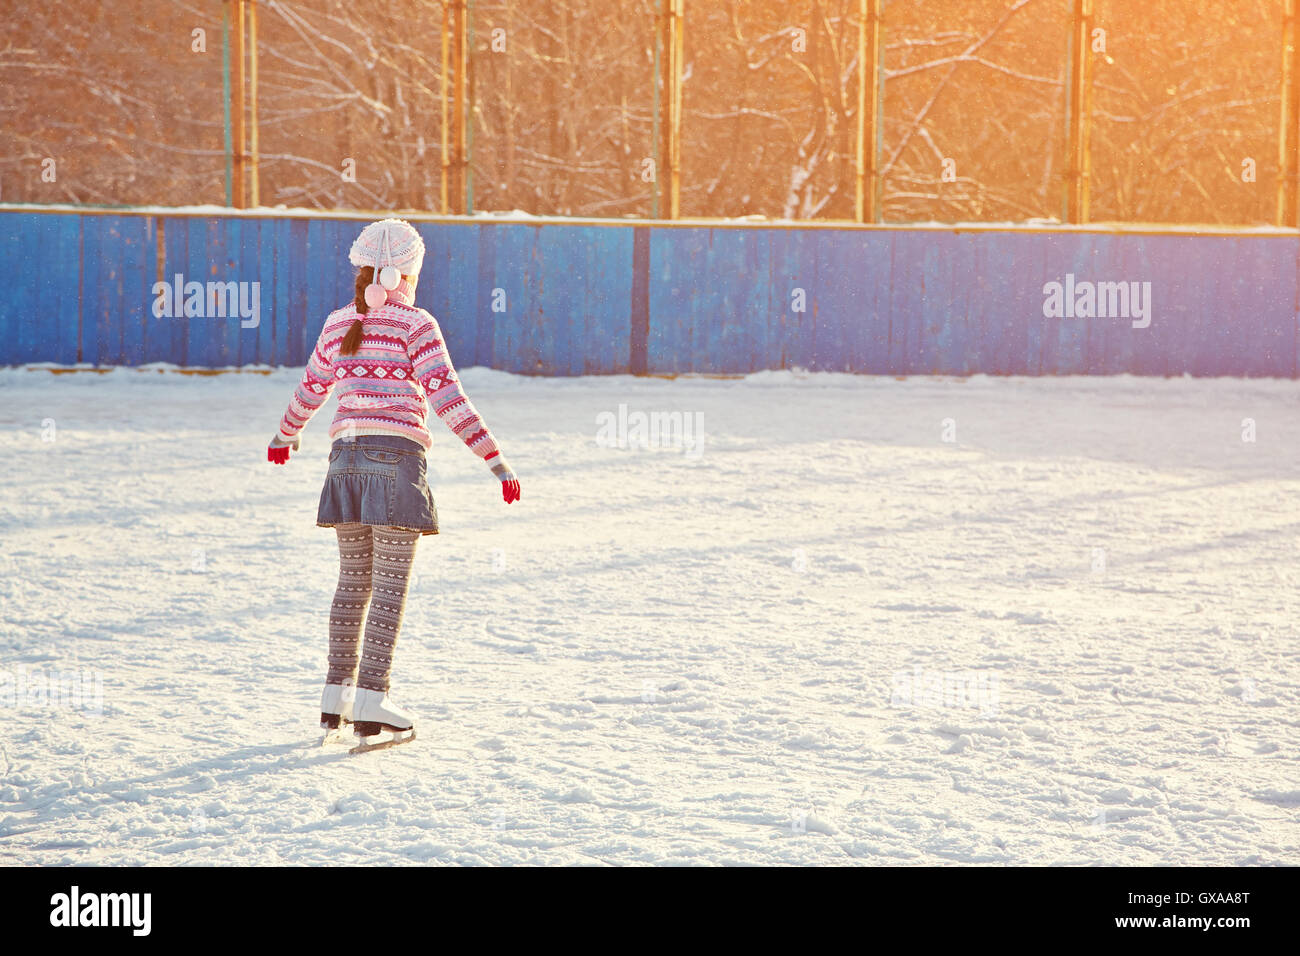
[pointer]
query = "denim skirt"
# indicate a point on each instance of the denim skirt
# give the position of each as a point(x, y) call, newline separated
point(377, 480)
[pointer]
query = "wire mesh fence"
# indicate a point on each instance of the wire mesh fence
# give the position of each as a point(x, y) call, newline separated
point(564, 107)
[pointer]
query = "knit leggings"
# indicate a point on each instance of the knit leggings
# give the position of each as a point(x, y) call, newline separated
point(374, 568)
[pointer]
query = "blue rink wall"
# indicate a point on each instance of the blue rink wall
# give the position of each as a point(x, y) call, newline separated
point(574, 297)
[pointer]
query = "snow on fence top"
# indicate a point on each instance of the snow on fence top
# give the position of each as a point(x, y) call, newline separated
point(520, 216)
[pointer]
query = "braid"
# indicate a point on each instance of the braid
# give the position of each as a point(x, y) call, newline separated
point(352, 341)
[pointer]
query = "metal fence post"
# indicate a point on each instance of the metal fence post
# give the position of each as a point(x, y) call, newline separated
point(1078, 115)
point(670, 63)
point(237, 105)
point(868, 158)
point(1290, 115)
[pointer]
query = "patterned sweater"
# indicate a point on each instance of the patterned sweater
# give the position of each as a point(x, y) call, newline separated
point(383, 387)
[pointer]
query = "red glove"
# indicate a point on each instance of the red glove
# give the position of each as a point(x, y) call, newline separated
point(510, 490)
point(278, 451)
point(509, 481)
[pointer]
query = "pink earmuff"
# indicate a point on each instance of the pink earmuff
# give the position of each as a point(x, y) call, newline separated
point(386, 279)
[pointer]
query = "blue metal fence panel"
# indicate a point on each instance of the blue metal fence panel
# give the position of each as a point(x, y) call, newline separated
point(610, 310)
point(297, 345)
point(24, 288)
point(58, 243)
point(512, 270)
point(560, 298)
point(449, 283)
point(96, 277)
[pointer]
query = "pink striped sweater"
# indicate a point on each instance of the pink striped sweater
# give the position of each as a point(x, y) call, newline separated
point(382, 389)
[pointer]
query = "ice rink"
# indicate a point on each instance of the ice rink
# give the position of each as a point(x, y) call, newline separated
point(865, 621)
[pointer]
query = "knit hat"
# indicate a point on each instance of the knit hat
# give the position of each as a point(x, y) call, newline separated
point(393, 248)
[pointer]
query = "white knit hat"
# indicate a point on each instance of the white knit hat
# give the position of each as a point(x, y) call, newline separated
point(393, 248)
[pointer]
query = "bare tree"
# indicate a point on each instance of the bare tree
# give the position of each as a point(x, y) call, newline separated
point(97, 107)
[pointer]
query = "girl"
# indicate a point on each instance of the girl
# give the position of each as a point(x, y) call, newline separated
point(385, 356)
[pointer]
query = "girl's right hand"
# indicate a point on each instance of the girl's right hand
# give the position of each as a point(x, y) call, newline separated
point(278, 451)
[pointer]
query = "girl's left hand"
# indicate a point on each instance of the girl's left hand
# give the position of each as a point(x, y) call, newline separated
point(510, 490)
point(509, 480)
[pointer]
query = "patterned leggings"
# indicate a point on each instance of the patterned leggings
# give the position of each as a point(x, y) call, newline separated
point(374, 568)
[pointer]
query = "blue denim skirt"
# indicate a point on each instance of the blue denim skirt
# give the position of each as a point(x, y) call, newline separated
point(377, 480)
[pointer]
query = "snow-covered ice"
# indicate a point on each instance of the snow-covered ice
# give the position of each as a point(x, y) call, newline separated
point(1065, 636)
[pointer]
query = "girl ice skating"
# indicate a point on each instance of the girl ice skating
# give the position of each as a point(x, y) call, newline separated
point(389, 363)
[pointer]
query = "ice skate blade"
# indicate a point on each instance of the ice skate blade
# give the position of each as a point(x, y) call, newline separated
point(399, 737)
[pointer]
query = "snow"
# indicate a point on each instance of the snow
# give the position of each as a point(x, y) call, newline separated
point(1066, 637)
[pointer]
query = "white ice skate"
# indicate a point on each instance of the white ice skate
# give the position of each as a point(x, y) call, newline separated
point(374, 714)
point(336, 704)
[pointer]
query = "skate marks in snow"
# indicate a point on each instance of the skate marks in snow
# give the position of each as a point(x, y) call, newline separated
point(333, 737)
point(661, 673)
point(173, 805)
